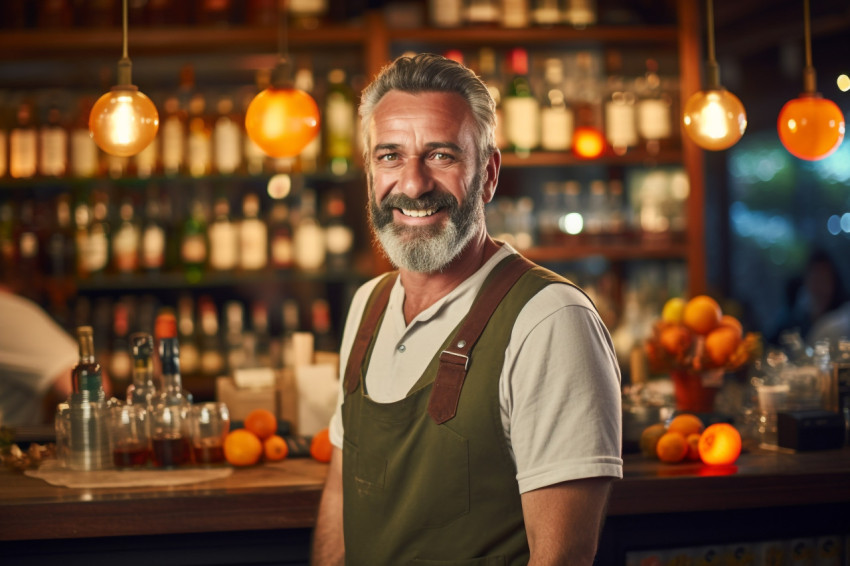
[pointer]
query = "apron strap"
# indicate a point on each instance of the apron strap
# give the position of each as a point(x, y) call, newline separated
point(454, 360)
point(374, 310)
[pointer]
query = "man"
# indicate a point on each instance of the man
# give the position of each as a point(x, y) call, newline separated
point(472, 428)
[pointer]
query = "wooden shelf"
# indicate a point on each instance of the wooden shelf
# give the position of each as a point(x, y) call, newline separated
point(636, 249)
point(567, 159)
point(555, 35)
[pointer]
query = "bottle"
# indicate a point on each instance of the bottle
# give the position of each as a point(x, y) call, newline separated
point(60, 245)
point(556, 118)
point(308, 159)
point(253, 236)
point(339, 123)
point(82, 220)
point(445, 13)
point(88, 444)
point(212, 362)
point(309, 237)
point(227, 137)
point(23, 143)
point(323, 337)
point(85, 155)
point(53, 144)
point(515, 14)
point(190, 357)
point(193, 246)
point(126, 241)
point(546, 13)
point(280, 237)
point(147, 162)
point(173, 137)
point(170, 432)
point(28, 249)
point(291, 316)
point(120, 361)
point(521, 108)
point(339, 237)
point(224, 238)
point(307, 14)
point(487, 65)
point(143, 389)
point(234, 345)
point(596, 211)
point(580, 13)
point(482, 12)
point(97, 243)
point(199, 138)
point(153, 236)
point(262, 338)
point(654, 115)
point(620, 119)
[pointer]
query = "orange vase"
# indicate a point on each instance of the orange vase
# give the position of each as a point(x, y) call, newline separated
point(691, 395)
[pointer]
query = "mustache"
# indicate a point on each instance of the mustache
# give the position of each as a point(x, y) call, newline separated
point(428, 200)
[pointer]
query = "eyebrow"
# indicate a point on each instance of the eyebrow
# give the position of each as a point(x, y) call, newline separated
point(429, 146)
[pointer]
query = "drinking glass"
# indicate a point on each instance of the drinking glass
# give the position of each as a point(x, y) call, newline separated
point(210, 423)
point(170, 435)
point(129, 436)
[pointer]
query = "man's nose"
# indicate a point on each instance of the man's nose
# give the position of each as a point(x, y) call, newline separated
point(415, 179)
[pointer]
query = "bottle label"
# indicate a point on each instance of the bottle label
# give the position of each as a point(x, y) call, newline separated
point(153, 247)
point(654, 119)
point(309, 245)
point(521, 122)
point(620, 127)
point(125, 247)
point(97, 251)
point(556, 129)
point(22, 153)
point(83, 154)
point(223, 246)
point(254, 242)
point(200, 154)
point(226, 141)
point(194, 249)
point(54, 152)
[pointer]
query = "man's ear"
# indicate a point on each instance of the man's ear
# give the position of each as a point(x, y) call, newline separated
point(494, 164)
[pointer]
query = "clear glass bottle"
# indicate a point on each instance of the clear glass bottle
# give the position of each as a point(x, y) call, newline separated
point(99, 233)
point(556, 117)
point(224, 237)
point(620, 119)
point(227, 137)
point(126, 241)
point(190, 356)
point(654, 109)
point(53, 144)
point(153, 236)
point(85, 158)
point(142, 391)
point(23, 143)
point(281, 254)
point(339, 237)
point(309, 236)
point(521, 108)
point(308, 159)
point(487, 70)
point(234, 330)
point(88, 443)
point(339, 123)
point(253, 236)
point(170, 426)
point(199, 147)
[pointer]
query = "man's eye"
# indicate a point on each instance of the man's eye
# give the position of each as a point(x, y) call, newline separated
point(388, 157)
point(440, 156)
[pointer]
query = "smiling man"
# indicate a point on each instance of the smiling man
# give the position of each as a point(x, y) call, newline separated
point(479, 412)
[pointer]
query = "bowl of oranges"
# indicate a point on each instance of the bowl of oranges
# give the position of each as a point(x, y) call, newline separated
point(696, 343)
point(685, 438)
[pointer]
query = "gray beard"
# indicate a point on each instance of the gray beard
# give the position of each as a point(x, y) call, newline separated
point(427, 249)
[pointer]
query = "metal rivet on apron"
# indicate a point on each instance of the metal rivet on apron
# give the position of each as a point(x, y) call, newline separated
point(461, 344)
point(402, 348)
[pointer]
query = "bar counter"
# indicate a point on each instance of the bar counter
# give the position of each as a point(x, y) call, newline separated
point(284, 496)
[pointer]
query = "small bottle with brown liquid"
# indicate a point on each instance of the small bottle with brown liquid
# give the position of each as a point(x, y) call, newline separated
point(88, 443)
point(170, 431)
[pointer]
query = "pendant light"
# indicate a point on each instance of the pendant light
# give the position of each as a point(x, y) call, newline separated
point(123, 121)
point(714, 118)
point(810, 127)
point(282, 119)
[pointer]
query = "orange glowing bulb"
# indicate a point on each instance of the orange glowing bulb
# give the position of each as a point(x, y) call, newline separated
point(810, 127)
point(719, 444)
point(588, 142)
point(282, 121)
point(123, 121)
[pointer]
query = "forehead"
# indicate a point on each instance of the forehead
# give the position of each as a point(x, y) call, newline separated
point(444, 114)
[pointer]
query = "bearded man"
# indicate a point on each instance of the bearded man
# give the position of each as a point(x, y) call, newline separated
point(479, 413)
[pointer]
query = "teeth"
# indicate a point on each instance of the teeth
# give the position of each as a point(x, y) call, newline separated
point(418, 213)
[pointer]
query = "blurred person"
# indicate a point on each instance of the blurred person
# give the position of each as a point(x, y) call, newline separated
point(36, 358)
point(452, 446)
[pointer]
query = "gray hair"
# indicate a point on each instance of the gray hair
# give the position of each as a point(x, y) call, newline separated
point(427, 72)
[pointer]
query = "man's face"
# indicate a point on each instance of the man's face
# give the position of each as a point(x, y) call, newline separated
point(426, 190)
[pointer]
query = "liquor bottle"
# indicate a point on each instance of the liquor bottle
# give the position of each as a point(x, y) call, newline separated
point(339, 123)
point(126, 241)
point(515, 13)
point(620, 120)
point(82, 220)
point(53, 144)
point(120, 361)
point(170, 432)
point(147, 162)
point(309, 237)
point(28, 248)
point(173, 137)
point(324, 340)
point(23, 143)
point(587, 105)
point(227, 137)
point(556, 117)
point(234, 331)
point(199, 137)
point(339, 237)
point(487, 70)
point(142, 391)
point(89, 441)
point(212, 361)
point(253, 236)
point(190, 357)
point(153, 236)
point(224, 238)
point(291, 316)
point(85, 155)
point(97, 243)
point(521, 108)
point(262, 338)
point(281, 254)
point(60, 247)
point(194, 247)
point(308, 159)
point(445, 13)
point(654, 116)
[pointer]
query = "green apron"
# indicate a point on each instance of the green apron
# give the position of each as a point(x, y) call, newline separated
point(422, 493)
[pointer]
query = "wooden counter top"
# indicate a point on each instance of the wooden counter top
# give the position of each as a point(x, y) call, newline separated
point(286, 495)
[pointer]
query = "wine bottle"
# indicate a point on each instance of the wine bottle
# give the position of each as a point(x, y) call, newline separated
point(143, 389)
point(556, 117)
point(521, 108)
point(53, 144)
point(339, 123)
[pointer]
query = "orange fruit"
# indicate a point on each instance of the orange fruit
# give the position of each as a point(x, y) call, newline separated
point(649, 439)
point(672, 447)
point(675, 339)
point(672, 311)
point(321, 447)
point(686, 424)
point(261, 422)
point(693, 447)
point(729, 321)
point(242, 447)
point(721, 343)
point(275, 448)
point(720, 444)
point(701, 314)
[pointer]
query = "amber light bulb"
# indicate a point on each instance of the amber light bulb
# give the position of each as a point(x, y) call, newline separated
point(714, 119)
point(811, 127)
point(282, 120)
point(588, 142)
point(123, 121)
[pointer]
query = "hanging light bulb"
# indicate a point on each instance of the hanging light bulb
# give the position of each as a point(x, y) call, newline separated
point(810, 126)
point(123, 121)
point(282, 119)
point(714, 118)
